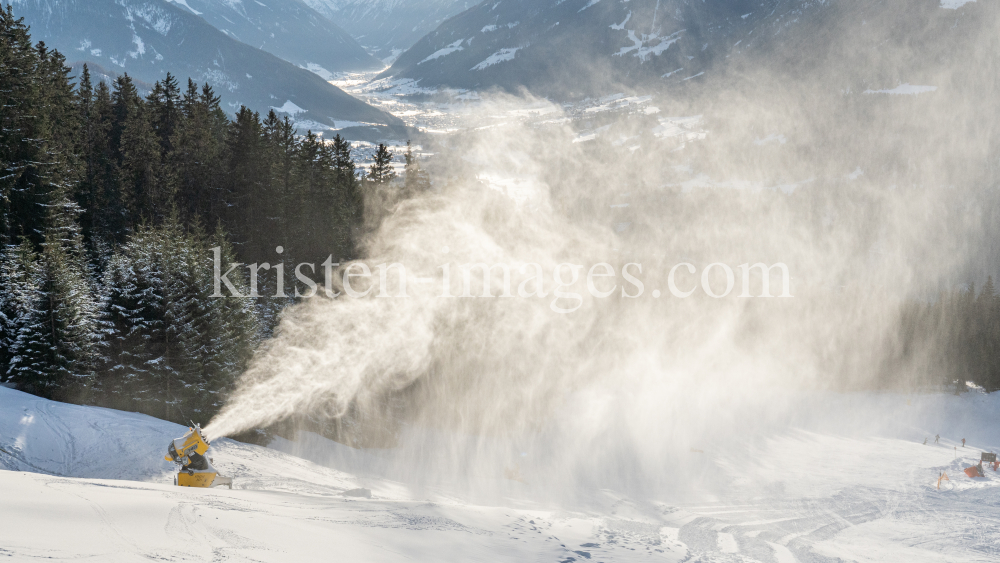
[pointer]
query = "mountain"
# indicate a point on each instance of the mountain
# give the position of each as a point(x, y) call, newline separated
point(148, 38)
point(286, 28)
point(568, 47)
point(586, 47)
point(389, 27)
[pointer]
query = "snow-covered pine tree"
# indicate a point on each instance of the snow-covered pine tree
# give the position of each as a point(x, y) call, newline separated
point(58, 346)
point(132, 302)
point(235, 327)
point(174, 347)
point(7, 316)
point(57, 337)
point(20, 284)
point(187, 317)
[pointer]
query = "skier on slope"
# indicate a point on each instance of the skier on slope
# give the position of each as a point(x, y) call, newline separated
point(937, 437)
point(963, 442)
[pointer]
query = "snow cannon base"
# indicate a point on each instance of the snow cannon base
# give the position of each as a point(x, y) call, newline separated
point(202, 479)
point(196, 469)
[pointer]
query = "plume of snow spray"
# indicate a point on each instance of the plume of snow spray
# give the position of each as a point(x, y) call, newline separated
point(625, 385)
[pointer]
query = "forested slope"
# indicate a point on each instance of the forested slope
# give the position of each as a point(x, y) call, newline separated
point(114, 209)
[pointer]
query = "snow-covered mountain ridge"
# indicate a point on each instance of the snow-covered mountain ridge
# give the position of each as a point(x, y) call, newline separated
point(579, 48)
point(286, 28)
point(578, 45)
point(389, 27)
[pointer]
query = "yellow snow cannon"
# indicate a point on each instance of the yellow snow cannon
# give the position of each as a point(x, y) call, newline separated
point(196, 469)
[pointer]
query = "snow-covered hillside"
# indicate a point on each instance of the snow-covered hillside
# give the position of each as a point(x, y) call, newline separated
point(577, 48)
point(847, 479)
point(389, 27)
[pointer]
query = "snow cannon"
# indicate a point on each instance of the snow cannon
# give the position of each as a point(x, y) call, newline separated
point(196, 469)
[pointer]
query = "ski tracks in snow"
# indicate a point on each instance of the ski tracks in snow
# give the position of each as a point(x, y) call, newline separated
point(67, 452)
point(915, 517)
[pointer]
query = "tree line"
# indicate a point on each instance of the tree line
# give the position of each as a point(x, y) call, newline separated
point(112, 206)
point(950, 340)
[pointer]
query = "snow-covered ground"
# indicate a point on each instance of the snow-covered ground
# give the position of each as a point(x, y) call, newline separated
point(848, 479)
point(440, 111)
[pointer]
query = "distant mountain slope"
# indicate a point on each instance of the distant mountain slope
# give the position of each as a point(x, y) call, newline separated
point(585, 47)
point(148, 38)
point(577, 46)
point(389, 27)
point(286, 28)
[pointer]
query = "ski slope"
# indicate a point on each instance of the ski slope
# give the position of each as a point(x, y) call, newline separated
point(82, 483)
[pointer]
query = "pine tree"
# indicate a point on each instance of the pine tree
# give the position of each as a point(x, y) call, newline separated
point(232, 332)
point(343, 161)
point(19, 97)
point(350, 201)
point(989, 339)
point(174, 347)
point(165, 112)
point(20, 283)
point(416, 179)
point(314, 200)
point(281, 146)
point(197, 155)
point(56, 335)
point(147, 190)
point(103, 220)
point(28, 356)
point(125, 102)
point(39, 133)
point(58, 347)
point(253, 210)
point(381, 171)
point(133, 301)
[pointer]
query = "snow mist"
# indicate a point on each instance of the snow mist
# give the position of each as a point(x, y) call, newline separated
point(620, 391)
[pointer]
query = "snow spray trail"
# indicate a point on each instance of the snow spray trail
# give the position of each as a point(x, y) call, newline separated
point(331, 352)
point(640, 377)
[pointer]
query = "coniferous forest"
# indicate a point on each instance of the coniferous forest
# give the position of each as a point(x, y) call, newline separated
point(113, 205)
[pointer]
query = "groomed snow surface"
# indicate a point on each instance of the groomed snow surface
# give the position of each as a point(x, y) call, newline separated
point(904, 90)
point(954, 4)
point(89, 484)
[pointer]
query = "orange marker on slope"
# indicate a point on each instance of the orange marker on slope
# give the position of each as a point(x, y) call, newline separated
point(943, 477)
